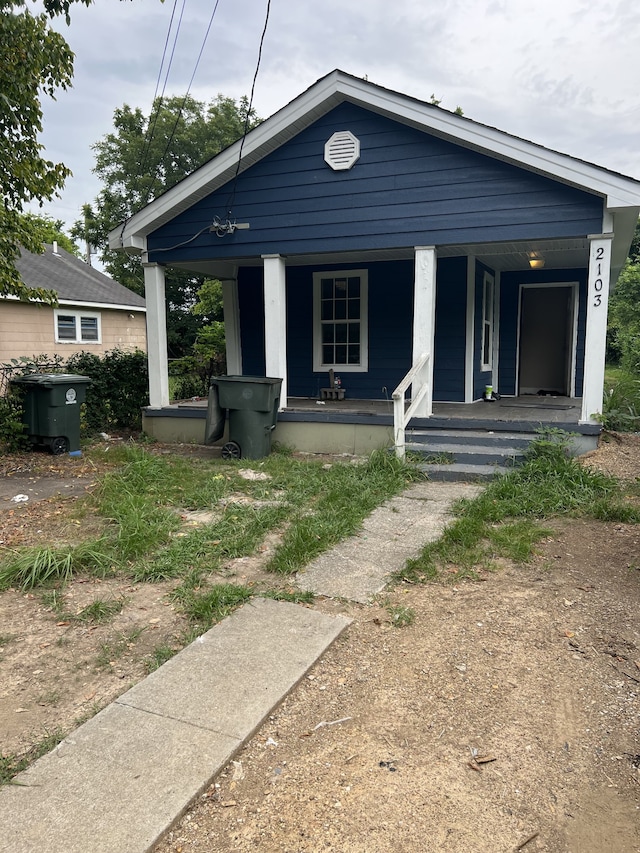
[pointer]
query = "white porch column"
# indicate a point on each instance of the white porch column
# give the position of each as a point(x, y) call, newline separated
point(231, 308)
point(154, 294)
point(275, 320)
point(596, 331)
point(424, 320)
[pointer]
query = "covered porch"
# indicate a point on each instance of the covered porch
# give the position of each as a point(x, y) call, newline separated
point(419, 255)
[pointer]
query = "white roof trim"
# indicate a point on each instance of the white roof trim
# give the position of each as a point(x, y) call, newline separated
point(337, 87)
point(71, 303)
point(107, 305)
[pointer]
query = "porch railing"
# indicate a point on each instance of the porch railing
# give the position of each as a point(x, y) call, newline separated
point(401, 417)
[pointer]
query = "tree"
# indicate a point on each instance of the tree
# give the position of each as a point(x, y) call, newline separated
point(143, 157)
point(34, 60)
point(49, 230)
point(623, 342)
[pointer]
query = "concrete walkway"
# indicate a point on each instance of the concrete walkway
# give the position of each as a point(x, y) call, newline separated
point(359, 567)
point(117, 783)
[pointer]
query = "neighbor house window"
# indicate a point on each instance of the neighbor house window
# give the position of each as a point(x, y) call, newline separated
point(77, 327)
point(487, 322)
point(340, 320)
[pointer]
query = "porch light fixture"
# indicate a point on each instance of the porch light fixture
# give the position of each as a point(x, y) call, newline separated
point(536, 261)
point(221, 229)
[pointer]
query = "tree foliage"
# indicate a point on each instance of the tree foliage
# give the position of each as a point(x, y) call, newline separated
point(35, 60)
point(49, 230)
point(623, 344)
point(144, 156)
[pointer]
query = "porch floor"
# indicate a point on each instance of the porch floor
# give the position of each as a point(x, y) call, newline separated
point(541, 410)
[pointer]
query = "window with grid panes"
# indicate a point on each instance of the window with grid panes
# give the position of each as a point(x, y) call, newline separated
point(75, 327)
point(340, 327)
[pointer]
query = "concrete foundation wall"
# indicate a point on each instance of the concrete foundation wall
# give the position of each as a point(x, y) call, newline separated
point(357, 439)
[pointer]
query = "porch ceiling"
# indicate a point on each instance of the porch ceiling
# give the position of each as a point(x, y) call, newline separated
point(558, 254)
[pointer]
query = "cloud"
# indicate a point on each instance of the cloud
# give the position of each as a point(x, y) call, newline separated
point(561, 74)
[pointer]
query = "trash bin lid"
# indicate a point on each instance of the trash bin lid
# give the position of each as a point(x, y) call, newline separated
point(52, 379)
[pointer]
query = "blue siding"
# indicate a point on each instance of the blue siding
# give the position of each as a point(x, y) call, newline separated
point(509, 292)
point(450, 343)
point(390, 329)
point(408, 188)
point(251, 305)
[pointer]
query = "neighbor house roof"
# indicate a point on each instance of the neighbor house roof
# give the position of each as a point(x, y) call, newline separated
point(75, 282)
point(621, 194)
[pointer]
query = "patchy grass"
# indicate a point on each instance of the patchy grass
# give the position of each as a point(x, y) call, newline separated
point(400, 616)
point(100, 610)
point(208, 606)
point(144, 536)
point(13, 763)
point(504, 520)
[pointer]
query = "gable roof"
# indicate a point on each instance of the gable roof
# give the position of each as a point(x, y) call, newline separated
point(75, 282)
point(620, 193)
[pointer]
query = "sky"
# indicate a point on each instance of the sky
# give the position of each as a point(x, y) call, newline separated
point(562, 73)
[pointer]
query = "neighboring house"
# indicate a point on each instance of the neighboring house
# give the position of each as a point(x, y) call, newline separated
point(94, 312)
point(368, 232)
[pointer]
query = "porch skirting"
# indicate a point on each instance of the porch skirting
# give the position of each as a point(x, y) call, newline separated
point(358, 427)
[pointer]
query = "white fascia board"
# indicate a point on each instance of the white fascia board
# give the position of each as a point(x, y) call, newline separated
point(73, 303)
point(273, 132)
point(618, 191)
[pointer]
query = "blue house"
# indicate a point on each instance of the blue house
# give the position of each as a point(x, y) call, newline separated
point(403, 247)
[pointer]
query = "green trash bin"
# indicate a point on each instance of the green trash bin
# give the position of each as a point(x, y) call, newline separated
point(253, 403)
point(51, 409)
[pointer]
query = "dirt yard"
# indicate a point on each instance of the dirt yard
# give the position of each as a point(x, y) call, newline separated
point(505, 717)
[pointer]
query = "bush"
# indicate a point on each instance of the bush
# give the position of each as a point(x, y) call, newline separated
point(621, 405)
point(114, 399)
point(118, 391)
point(13, 436)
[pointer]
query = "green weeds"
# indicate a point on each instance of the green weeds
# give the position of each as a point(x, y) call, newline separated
point(213, 604)
point(14, 763)
point(100, 610)
point(314, 504)
point(504, 521)
point(400, 616)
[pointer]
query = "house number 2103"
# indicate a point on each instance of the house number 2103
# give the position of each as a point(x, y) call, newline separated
point(598, 284)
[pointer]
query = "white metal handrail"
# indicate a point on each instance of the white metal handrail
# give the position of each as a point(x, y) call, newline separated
point(401, 417)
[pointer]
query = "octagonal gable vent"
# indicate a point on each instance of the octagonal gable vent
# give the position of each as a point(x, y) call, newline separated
point(342, 150)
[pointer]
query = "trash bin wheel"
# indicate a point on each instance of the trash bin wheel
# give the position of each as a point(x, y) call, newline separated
point(59, 444)
point(231, 450)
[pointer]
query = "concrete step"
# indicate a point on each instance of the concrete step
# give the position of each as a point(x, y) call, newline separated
point(475, 454)
point(476, 437)
point(462, 472)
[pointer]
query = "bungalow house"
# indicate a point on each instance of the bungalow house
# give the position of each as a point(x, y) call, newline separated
point(406, 249)
point(94, 312)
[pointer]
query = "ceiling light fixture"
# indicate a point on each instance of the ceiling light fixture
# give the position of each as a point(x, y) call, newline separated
point(536, 261)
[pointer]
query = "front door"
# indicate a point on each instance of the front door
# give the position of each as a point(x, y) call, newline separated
point(546, 340)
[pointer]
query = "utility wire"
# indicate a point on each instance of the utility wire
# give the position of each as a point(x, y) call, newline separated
point(247, 118)
point(186, 95)
point(152, 123)
point(154, 118)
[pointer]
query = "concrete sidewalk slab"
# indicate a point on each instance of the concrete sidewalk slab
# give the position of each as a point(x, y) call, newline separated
point(359, 567)
point(118, 782)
